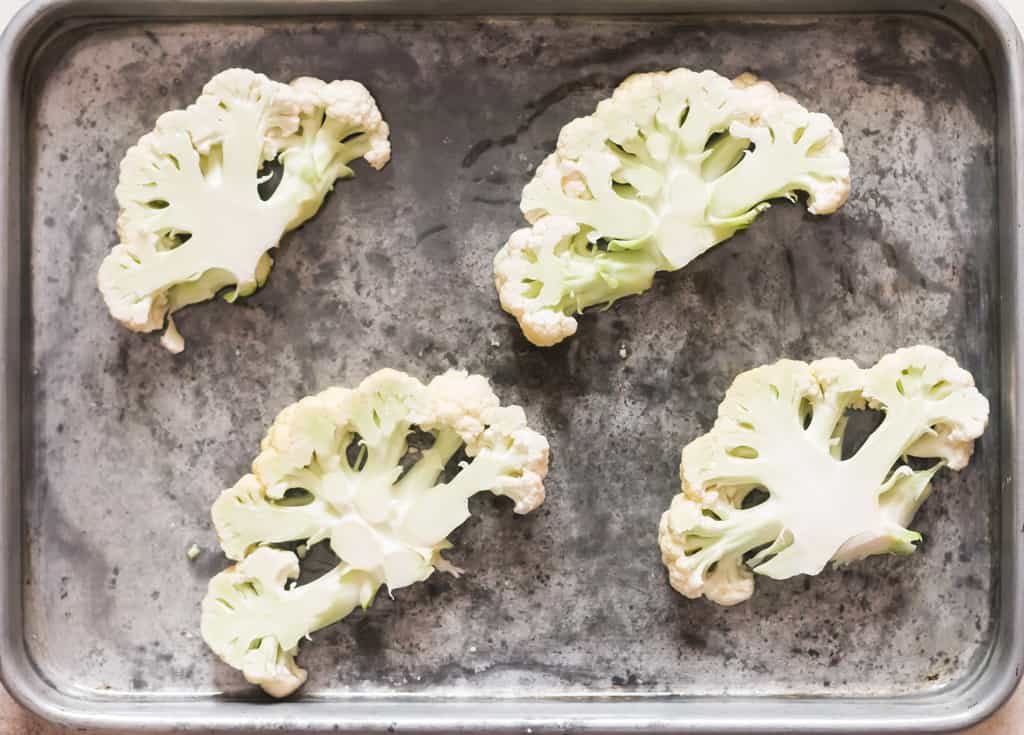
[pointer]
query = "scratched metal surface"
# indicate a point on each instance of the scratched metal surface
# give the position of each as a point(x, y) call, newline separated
point(130, 445)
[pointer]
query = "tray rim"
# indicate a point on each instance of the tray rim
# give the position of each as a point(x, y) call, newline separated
point(967, 702)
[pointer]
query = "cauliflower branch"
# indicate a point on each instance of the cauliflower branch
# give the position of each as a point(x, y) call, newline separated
point(778, 439)
point(338, 467)
point(671, 165)
point(255, 623)
point(551, 270)
point(192, 220)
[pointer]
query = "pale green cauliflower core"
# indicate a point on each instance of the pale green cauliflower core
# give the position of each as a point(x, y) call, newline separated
point(780, 432)
point(671, 165)
point(192, 219)
point(338, 467)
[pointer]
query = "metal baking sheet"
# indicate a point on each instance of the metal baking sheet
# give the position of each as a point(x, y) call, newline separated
point(113, 449)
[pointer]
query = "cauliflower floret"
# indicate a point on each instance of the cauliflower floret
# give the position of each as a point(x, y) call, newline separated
point(228, 101)
point(192, 220)
point(670, 165)
point(351, 108)
point(519, 270)
point(254, 623)
point(337, 467)
point(579, 137)
point(340, 122)
point(902, 380)
point(683, 534)
point(769, 478)
point(549, 271)
point(461, 401)
point(527, 452)
point(795, 150)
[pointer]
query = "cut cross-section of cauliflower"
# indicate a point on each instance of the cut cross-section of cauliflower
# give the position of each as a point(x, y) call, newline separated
point(192, 220)
point(338, 467)
point(767, 489)
point(669, 166)
point(257, 622)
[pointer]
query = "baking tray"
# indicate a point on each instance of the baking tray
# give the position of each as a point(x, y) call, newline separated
point(113, 450)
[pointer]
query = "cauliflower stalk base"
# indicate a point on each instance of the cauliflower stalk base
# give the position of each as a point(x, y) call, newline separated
point(671, 165)
point(780, 431)
point(192, 219)
point(337, 467)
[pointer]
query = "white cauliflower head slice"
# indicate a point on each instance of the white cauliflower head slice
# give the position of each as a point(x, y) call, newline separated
point(768, 491)
point(192, 220)
point(338, 466)
point(669, 166)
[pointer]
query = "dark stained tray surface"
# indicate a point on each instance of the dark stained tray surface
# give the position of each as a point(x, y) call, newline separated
point(127, 446)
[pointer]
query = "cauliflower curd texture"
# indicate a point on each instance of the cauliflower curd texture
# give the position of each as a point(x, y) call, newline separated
point(780, 431)
point(192, 220)
point(671, 165)
point(338, 467)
